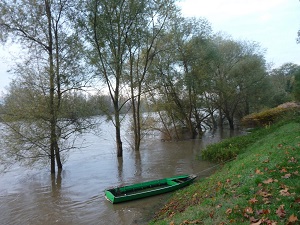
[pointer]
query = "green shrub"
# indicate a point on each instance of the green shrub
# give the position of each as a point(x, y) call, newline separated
point(230, 148)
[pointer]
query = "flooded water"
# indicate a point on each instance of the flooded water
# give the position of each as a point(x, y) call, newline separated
point(31, 196)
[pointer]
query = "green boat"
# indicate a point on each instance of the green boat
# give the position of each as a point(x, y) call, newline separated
point(149, 188)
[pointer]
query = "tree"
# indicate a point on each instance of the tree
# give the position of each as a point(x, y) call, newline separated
point(281, 79)
point(296, 89)
point(178, 73)
point(237, 70)
point(52, 67)
point(143, 45)
point(121, 36)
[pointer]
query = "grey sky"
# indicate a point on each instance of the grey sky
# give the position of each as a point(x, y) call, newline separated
point(272, 23)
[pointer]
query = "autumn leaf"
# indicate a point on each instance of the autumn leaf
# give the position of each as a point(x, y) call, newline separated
point(248, 210)
point(270, 180)
point(293, 160)
point(285, 192)
point(253, 200)
point(263, 212)
point(280, 211)
point(283, 170)
point(228, 211)
point(266, 161)
point(264, 194)
point(257, 171)
point(255, 221)
point(286, 176)
point(293, 219)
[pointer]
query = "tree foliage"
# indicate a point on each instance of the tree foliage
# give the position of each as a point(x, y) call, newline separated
point(51, 68)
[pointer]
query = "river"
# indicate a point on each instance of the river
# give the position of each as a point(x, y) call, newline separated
point(31, 196)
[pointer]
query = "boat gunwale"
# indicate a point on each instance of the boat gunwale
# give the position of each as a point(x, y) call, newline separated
point(165, 189)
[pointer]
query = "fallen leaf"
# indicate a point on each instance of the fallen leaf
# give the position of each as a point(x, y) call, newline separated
point(255, 221)
point(280, 211)
point(248, 210)
point(264, 194)
point(283, 170)
point(285, 192)
point(293, 218)
point(270, 180)
point(257, 171)
point(286, 176)
point(253, 200)
point(292, 160)
point(228, 211)
point(263, 212)
point(266, 161)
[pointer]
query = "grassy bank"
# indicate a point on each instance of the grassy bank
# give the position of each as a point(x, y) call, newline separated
point(261, 186)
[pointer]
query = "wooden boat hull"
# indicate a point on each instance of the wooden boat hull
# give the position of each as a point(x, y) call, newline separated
point(147, 189)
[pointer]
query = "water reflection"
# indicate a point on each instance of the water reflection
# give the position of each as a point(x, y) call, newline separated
point(75, 195)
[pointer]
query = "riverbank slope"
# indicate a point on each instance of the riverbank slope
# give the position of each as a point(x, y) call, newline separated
point(261, 186)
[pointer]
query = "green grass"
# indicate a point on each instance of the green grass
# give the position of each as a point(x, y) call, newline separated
point(262, 185)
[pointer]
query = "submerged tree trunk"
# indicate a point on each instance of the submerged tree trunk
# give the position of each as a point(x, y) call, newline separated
point(52, 88)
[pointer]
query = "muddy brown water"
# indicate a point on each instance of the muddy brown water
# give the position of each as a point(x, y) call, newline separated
point(31, 196)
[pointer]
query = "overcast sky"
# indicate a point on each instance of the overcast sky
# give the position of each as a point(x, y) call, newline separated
point(272, 23)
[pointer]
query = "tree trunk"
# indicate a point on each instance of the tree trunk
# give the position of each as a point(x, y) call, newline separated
point(52, 89)
point(57, 156)
point(118, 134)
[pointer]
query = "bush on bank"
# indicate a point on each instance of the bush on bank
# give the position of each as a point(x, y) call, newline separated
point(262, 121)
point(261, 186)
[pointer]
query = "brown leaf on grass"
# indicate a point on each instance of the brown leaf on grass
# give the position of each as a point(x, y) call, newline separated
point(293, 219)
point(266, 201)
point(286, 176)
point(296, 172)
point(191, 222)
point(263, 212)
point(255, 221)
point(228, 211)
point(285, 192)
point(270, 180)
point(264, 194)
point(172, 223)
point(283, 170)
point(248, 210)
point(280, 211)
point(253, 200)
point(292, 160)
point(257, 171)
point(266, 161)
point(297, 200)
